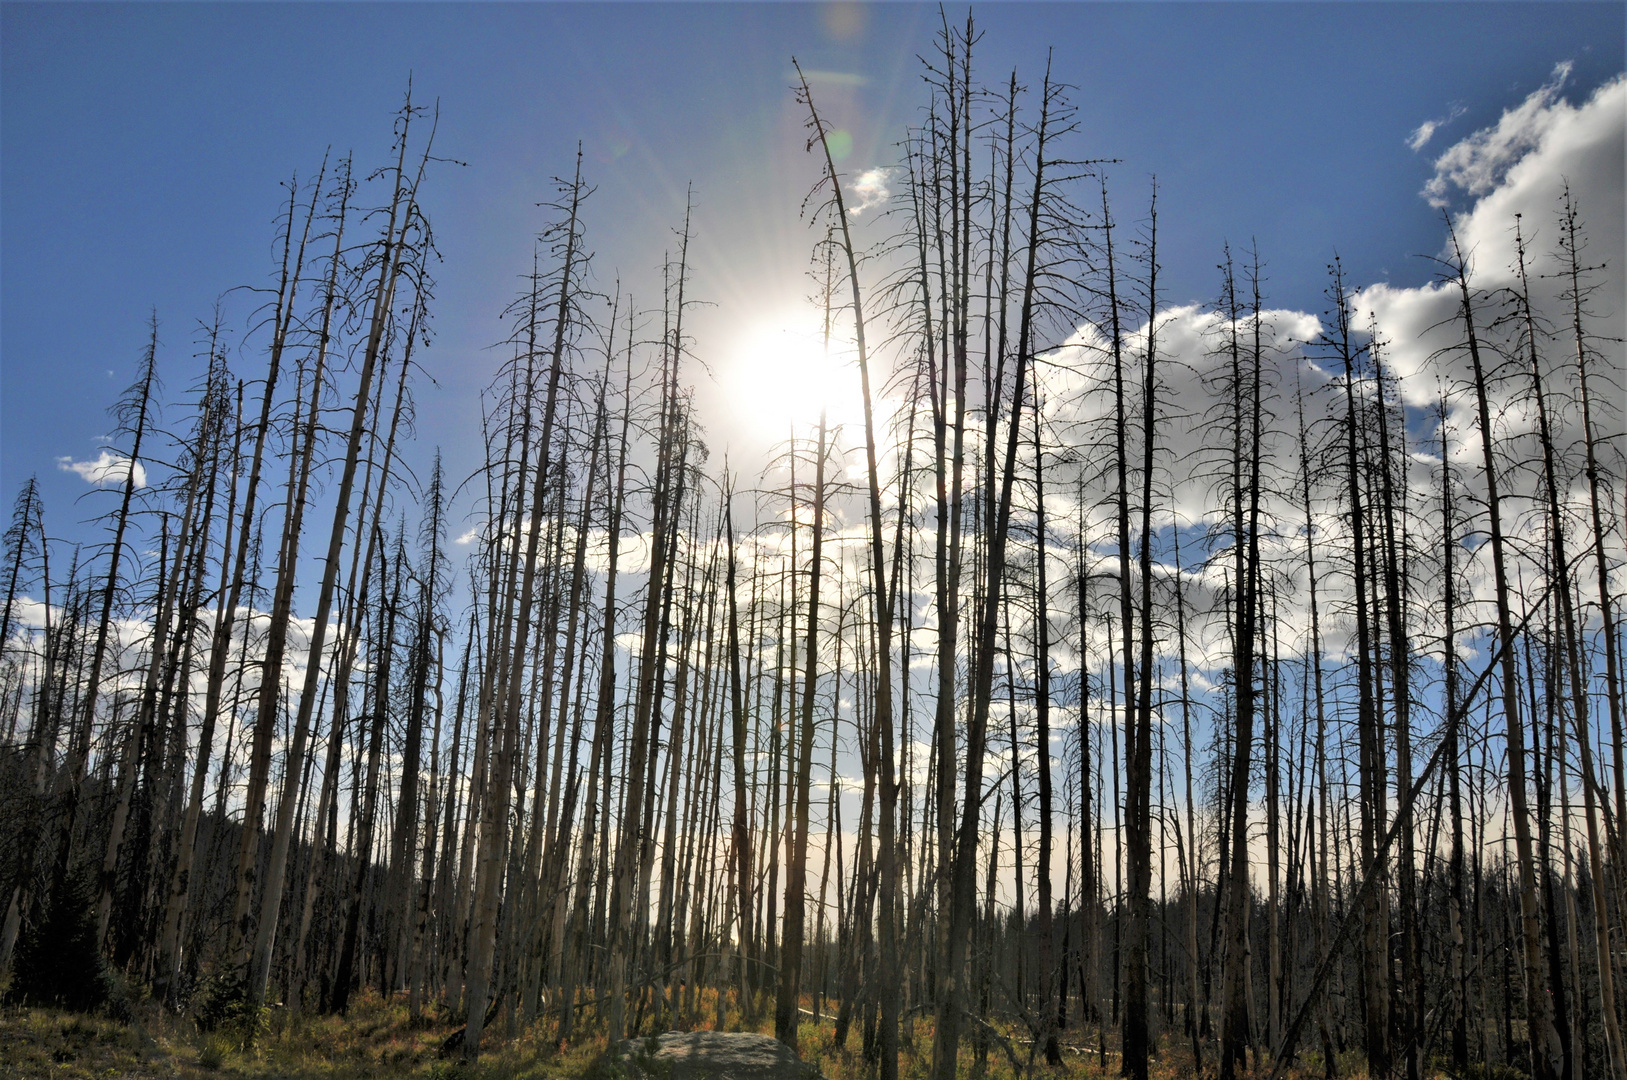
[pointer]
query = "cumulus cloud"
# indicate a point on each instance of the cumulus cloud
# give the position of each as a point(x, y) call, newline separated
point(1479, 163)
point(1516, 173)
point(107, 470)
point(871, 187)
point(1521, 166)
point(1517, 169)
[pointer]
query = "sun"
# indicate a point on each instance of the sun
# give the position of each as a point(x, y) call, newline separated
point(782, 374)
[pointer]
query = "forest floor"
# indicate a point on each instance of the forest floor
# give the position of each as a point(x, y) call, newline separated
point(380, 1040)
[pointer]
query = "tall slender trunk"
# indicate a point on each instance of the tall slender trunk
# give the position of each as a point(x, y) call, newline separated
point(1245, 484)
point(796, 872)
point(962, 909)
point(143, 735)
point(168, 960)
point(740, 836)
point(1375, 973)
point(494, 818)
point(1546, 1050)
point(1050, 1002)
point(79, 754)
point(259, 760)
point(1571, 244)
point(1573, 655)
point(362, 848)
point(393, 255)
point(1139, 750)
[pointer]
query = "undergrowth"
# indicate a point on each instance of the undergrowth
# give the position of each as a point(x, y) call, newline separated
point(381, 1039)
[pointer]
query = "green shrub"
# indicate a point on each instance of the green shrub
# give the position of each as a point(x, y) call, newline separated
point(58, 960)
point(212, 1054)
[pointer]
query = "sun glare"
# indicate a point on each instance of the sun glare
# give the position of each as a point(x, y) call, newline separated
point(783, 375)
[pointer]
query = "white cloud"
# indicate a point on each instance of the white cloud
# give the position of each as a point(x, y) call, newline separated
point(28, 613)
point(1516, 170)
point(1422, 134)
point(871, 188)
point(1425, 131)
point(108, 470)
point(846, 80)
point(1521, 167)
point(1479, 163)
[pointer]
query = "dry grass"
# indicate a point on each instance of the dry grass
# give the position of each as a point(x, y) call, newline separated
point(377, 1039)
point(380, 1039)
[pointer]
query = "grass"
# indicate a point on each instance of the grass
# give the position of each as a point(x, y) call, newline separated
point(377, 1039)
point(380, 1039)
point(1082, 1056)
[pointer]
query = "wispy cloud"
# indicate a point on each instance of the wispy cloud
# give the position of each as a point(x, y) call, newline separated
point(1479, 163)
point(108, 470)
point(1425, 131)
point(829, 78)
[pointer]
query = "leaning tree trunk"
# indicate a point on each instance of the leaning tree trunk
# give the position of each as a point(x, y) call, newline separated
point(494, 822)
point(393, 255)
point(1546, 1051)
point(796, 874)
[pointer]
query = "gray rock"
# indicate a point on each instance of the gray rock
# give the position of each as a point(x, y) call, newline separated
point(707, 1055)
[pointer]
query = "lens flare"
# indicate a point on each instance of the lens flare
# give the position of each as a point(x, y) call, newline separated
point(782, 374)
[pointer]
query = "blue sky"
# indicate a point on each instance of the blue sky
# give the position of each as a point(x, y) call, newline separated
point(142, 147)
